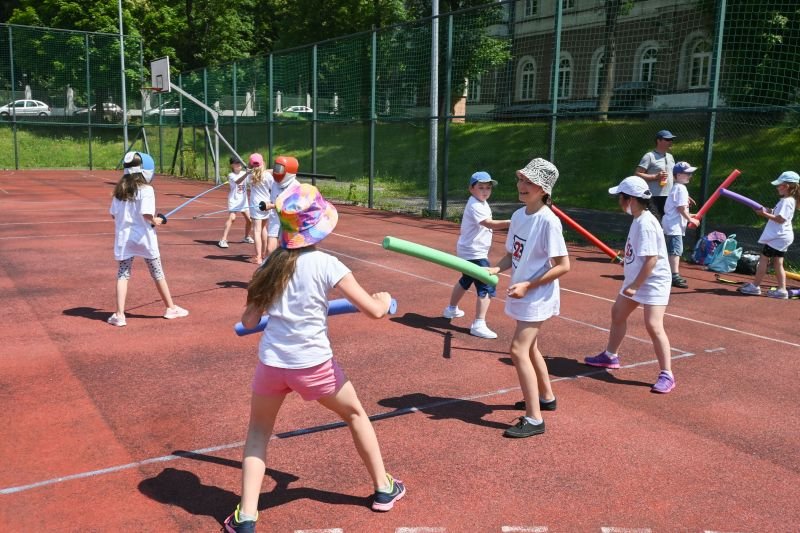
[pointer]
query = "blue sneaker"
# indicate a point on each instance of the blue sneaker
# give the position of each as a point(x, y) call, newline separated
point(383, 501)
point(602, 360)
point(664, 383)
point(233, 525)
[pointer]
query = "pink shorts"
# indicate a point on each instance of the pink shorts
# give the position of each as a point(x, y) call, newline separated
point(310, 383)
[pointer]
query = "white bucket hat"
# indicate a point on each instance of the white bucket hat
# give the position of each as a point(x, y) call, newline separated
point(540, 172)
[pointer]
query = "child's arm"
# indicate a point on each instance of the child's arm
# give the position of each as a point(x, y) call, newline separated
point(244, 177)
point(251, 316)
point(503, 264)
point(495, 224)
point(560, 267)
point(644, 273)
point(153, 221)
point(374, 306)
point(765, 212)
point(683, 210)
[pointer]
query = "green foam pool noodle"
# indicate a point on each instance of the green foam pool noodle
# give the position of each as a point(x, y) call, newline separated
point(440, 258)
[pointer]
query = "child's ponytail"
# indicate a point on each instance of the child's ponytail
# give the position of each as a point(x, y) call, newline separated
point(793, 190)
point(270, 279)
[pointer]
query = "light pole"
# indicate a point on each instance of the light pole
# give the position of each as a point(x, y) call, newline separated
point(122, 71)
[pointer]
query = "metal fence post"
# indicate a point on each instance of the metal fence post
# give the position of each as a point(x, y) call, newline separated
point(235, 108)
point(433, 154)
point(271, 110)
point(314, 74)
point(373, 117)
point(555, 79)
point(447, 91)
point(13, 97)
point(89, 97)
point(713, 101)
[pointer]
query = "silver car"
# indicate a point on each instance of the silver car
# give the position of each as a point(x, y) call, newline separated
point(26, 108)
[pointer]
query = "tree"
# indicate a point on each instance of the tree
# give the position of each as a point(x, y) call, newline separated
point(613, 9)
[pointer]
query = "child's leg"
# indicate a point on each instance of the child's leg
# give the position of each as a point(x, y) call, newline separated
point(248, 224)
point(542, 374)
point(157, 273)
point(675, 264)
point(260, 236)
point(457, 294)
point(780, 273)
point(620, 311)
point(654, 322)
point(121, 292)
point(521, 347)
point(345, 403)
point(263, 411)
point(271, 246)
point(228, 223)
point(482, 307)
point(761, 270)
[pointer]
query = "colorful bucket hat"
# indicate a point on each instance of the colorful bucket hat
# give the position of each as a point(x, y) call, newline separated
point(306, 217)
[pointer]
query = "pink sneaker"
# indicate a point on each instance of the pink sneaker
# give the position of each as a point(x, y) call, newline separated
point(602, 360)
point(664, 383)
point(176, 312)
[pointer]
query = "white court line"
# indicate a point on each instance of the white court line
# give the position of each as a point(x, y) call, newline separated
point(422, 529)
point(524, 529)
point(605, 529)
point(5, 191)
point(329, 530)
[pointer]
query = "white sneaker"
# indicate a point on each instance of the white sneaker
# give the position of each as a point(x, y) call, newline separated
point(452, 312)
point(749, 288)
point(222, 244)
point(176, 312)
point(482, 331)
point(248, 240)
point(115, 320)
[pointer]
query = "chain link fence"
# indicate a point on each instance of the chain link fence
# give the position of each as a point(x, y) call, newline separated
point(585, 83)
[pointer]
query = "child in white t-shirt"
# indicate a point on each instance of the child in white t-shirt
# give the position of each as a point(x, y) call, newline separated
point(237, 203)
point(473, 245)
point(133, 210)
point(295, 353)
point(265, 221)
point(647, 282)
point(537, 254)
point(676, 217)
point(778, 234)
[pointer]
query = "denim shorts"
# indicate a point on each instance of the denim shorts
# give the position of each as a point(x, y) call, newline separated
point(674, 244)
point(482, 288)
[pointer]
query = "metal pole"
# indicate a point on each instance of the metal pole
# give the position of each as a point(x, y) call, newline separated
point(88, 97)
point(434, 124)
point(271, 109)
point(13, 97)
point(373, 117)
point(713, 101)
point(235, 130)
point(447, 91)
point(122, 72)
point(314, 109)
point(556, 60)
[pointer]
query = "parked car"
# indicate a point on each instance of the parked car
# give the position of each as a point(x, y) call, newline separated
point(167, 109)
point(111, 112)
point(25, 108)
point(298, 109)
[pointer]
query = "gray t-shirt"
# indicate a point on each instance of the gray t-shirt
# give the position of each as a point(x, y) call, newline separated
point(653, 162)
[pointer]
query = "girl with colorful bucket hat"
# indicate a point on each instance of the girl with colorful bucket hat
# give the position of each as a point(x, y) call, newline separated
point(294, 352)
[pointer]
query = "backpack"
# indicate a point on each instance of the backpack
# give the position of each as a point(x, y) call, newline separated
point(704, 249)
point(748, 263)
point(726, 255)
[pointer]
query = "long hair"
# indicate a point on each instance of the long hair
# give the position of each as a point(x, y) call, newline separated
point(128, 184)
point(258, 175)
point(270, 280)
point(793, 190)
point(644, 203)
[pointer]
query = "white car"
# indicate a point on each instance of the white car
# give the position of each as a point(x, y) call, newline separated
point(26, 108)
point(298, 109)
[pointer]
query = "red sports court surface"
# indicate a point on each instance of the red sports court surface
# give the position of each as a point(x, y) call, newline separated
point(141, 428)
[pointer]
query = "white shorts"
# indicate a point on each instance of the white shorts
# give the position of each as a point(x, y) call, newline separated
point(274, 224)
point(238, 205)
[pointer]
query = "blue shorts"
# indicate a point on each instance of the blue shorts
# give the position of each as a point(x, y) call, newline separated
point(483, 289)
point(674, 244)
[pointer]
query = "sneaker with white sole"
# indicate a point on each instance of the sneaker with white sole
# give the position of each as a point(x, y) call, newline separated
point(248, 240)
point(479, 329)
point(176, 312)
point(602, 360)
point(780, 294)
point(384, 501)
point(749, 288)
point(118, 321)
point(664, 383)
point(222, 244)
point(452, 312)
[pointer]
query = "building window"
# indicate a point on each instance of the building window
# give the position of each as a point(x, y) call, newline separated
point(474, 89)
point(647, 65)
point(565, 78)
point(531, 8)
point(700, 65)
point(599, 77)
point(567, 4)
point(527, 80)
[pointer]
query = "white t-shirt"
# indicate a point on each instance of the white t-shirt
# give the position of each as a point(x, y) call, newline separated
point(780, 236)
point(475, 240)
point(646, 239)
point(261, 192)
point(237, 197)
point(654, 162)
point(133, 235)
point(532, 241)
point(672, 222)
point(296, 335)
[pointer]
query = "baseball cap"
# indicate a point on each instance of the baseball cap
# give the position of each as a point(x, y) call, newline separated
point(481, 177)
point(665, 134)
point(540, 172)
point(256, 160)
point(683, 167)
point(632, 186)
point(147, 168)
point(787, 177)
point(233, 159)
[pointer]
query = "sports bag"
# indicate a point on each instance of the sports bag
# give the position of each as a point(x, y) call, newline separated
point(726, 255)
point(704, 249)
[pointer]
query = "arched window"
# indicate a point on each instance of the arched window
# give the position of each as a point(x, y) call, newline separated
point(565, 78)
point(700, 65)
point(526, 88)
point(474, 89)
point(531, 6)
point(597, 74)
point(647, 65)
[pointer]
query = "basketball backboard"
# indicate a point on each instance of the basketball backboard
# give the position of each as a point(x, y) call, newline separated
point(159, 75)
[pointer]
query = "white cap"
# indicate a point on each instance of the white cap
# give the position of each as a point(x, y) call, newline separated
point(787, 177)
point(632, 186)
